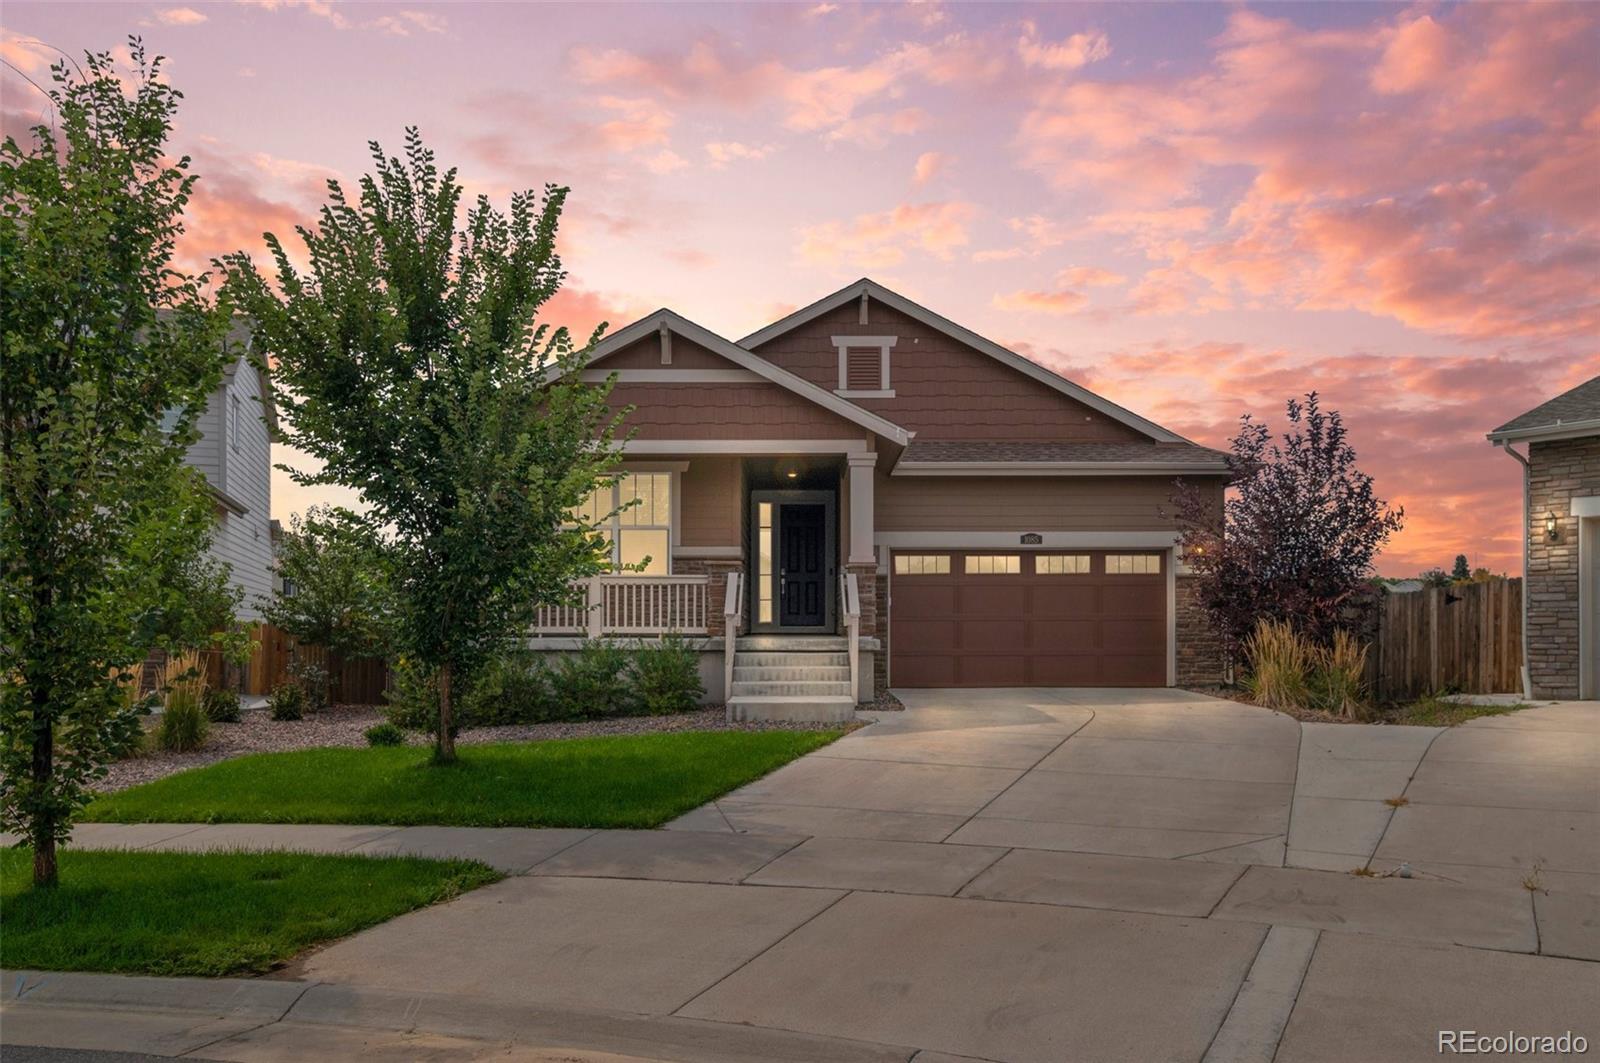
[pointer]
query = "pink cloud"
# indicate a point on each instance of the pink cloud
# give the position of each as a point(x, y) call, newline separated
point(179, 16)
point(1041, 302)
point(1078, 50)
point(873, 241)
point(928, 166)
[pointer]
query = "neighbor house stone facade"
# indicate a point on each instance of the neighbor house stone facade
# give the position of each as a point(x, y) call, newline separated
point(1561, 606)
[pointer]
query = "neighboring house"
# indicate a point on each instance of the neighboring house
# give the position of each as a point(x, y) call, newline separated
point(1561, 544)
point(233, 452)
point(996, 524)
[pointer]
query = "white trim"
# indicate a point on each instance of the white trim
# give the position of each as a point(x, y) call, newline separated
point(862, 495)
point(655, 466)
point(746, 446)
point(1543, 433)
point(984, 540)
point(1588, 605)
point(1588, 506)
point(845, 344)
point(846, 393)
point(753, 362)
point(1056, 468)
point(666, 344)
point(670, 376)
point(713, 552)
point(864, 286)
point(864, 341)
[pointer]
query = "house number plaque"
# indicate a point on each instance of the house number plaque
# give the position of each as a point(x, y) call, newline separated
point(1032, 539)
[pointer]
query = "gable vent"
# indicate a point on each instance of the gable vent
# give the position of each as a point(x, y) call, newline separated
point(863, 369)
point(864, 366)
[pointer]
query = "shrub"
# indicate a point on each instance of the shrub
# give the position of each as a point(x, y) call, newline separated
point(125, 734)
point(312, 679)
point(286, 702)
point(511, 689)
point(1279, 660)
point(1337, 683)
point(666, 676)
point(593, 681)
point(184, 725)
point(221, 705)
point(413, 697)
point(385, 734)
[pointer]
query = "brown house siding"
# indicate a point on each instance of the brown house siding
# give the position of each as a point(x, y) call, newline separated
point(1561, 471)
point(710, 509)
point(943, 388)
point(646, 354)
point(727, 411)
point(1024, 503)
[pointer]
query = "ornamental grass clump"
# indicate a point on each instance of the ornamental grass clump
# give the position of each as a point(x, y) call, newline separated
point(1338, 683)
point(184, 725)
point(1280, 660)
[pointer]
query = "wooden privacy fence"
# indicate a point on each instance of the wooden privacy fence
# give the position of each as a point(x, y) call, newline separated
point(356, 680)
point(1465, 638)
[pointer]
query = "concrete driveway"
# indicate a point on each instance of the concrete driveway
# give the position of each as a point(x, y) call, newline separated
point(1031, 875)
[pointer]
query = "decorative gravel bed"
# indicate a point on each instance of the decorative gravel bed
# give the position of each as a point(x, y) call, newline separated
point(344, 725)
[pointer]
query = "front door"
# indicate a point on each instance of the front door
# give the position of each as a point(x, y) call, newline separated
point(803, 565)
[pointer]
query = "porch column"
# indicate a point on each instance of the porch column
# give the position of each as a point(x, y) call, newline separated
point(861, 517)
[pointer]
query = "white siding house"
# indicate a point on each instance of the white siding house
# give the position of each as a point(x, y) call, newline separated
point(234, 454)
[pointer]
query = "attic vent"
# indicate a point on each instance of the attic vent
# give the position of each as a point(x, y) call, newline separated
point(864, 366)
point(863, 369)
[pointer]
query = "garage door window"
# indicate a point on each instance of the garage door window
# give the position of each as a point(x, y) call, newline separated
point(1061, 564)
point(921, 564)
point(1133, 564)
point(994, 564)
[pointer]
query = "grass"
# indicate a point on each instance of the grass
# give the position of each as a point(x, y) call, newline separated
point(620, 781)
point(207, 913)
point(1435, 711)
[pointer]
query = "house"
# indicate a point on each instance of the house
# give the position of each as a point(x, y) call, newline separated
point(234, 454)
point(868, 494)
point(1561, 541)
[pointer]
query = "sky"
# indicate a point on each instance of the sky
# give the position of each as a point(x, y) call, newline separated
point(1195, 210)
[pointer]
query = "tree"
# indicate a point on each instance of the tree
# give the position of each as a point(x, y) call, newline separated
point(102, 339)
point(1461, 570)
point(1434, 577)
point(336, 592)
point(411, 364)
point(1295, 539)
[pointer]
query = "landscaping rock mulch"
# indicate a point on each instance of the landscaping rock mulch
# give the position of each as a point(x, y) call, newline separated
point(345, 725)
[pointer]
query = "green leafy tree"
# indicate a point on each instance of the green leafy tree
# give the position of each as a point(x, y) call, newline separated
point(335, 590)
point(1461, 570)
point(102, 339)
point(410, 362)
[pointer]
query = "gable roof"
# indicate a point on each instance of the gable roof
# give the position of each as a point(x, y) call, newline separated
point(1572, 413)
point(873, 290)
point(240, 333)
point(741, 357)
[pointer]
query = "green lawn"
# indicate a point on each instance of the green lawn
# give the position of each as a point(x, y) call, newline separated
point(622, 781)
point(206, 913)
point(1435, 711)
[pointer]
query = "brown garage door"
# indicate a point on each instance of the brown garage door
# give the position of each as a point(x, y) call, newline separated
point(1046, 618)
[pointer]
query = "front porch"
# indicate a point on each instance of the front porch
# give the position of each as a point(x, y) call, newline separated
point(767, 545)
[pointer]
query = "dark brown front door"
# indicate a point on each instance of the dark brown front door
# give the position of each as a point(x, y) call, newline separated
point(1018, 618)
point(802, 565)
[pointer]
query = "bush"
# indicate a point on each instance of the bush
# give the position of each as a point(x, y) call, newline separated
point(312, 679)
point(183, 724)
point(1279, 660)
point(286, 702)
point(511, 689)
point(666, 676)
point(592, 682)
point(413, 697)
point(1337, 682)
point(221, 706)
point(385, 734)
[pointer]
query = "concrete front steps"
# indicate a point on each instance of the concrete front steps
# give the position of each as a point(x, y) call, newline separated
point(791, 678)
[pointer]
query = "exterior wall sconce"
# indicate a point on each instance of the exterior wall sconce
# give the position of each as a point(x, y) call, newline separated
point(1552, 528)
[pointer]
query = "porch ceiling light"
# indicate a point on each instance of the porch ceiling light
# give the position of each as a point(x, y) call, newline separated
point(793, 474)
point(1552, 527)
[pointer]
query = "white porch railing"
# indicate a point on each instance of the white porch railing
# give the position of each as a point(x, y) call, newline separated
point(731, 614)
point(631, 605)
point(850, 602)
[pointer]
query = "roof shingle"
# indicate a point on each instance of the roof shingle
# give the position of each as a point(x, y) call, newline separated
point(1582, 403)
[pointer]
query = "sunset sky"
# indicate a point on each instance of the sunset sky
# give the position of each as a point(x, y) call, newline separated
point(1195, 210)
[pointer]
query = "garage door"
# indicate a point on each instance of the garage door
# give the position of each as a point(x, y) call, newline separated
point(989, 619)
